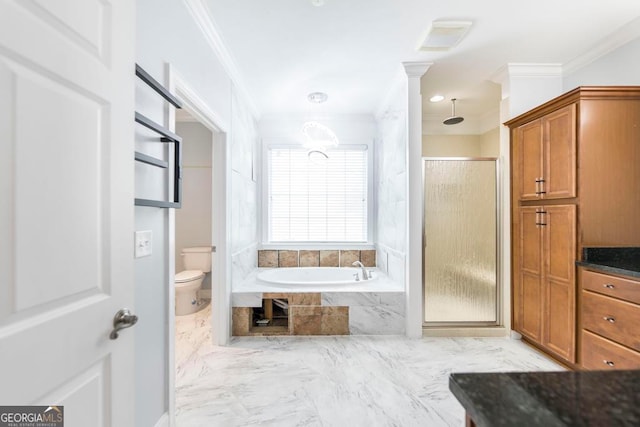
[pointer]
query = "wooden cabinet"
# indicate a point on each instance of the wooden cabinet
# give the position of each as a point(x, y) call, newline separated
point(547, 156)
point(610, 315)
point(545, 291)
point(574, 169)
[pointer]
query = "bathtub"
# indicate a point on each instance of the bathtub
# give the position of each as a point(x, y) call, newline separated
point(376, 307)
point(303, 277)
point(316, 279)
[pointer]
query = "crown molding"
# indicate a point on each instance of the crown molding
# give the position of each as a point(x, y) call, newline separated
point(534, 70)
point(613, 41)
point(416, 69)
point(527, 70)
point(205, 23)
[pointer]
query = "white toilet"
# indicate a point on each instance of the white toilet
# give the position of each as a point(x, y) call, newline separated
point(197, 262)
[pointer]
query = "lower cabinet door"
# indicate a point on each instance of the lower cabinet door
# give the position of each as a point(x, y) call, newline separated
point(559, 256)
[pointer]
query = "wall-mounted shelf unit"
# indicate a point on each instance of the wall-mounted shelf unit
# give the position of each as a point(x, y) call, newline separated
point(166, 136)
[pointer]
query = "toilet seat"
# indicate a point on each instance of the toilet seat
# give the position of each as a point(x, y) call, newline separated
point(188, 276)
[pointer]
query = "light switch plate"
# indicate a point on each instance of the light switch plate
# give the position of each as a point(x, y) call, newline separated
point(143, 243)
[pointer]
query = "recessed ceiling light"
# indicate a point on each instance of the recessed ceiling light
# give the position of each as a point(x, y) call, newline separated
point(317, 3)
point(443, 35)
point(436, 98)
point(317, 97)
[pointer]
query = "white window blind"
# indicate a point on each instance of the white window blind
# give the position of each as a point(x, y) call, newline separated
point(310, 202)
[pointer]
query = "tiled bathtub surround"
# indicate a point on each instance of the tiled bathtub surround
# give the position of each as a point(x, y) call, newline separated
point(309, 258)
point(375, 308)
point(371, 313)
point(308, 315)
point(270, 258)
point(329, 258)
point(287, 259)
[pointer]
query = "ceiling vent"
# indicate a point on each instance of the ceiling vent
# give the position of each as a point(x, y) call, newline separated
point(443, 35)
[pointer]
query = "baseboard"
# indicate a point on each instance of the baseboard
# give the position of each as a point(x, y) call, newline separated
point(496, 331)
point(205, 293)
point(163, 421)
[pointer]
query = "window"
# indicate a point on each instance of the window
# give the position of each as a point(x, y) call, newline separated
point(312, 202)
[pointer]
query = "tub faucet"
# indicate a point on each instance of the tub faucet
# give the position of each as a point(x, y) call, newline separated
point(365, 275)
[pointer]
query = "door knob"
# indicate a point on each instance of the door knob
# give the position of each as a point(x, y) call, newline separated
point(122, 320)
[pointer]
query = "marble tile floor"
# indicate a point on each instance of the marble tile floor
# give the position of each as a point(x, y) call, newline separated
point(331, 381)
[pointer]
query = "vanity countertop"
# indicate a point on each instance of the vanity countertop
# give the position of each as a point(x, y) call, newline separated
point(568, 398)
point(624, 261)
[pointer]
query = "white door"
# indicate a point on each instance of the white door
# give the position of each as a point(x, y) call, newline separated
point(66, 206)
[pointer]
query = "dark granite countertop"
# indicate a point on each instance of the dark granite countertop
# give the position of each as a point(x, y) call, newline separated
point(586, 398)
point(625, 261)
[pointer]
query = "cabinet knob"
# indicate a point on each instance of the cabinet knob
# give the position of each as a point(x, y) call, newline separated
point(610, 319)
point(609, 363)
point(608, 286)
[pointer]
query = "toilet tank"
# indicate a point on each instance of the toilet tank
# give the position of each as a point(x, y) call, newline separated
point(197, 258)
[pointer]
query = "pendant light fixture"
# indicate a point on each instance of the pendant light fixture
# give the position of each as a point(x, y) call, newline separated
point(453, 120)
point(318, 137)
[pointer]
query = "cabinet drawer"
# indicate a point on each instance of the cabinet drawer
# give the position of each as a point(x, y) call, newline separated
point(617, 287)
point(600, 353)
point(611, 318)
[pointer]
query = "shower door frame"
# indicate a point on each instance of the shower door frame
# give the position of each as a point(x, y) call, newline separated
point(498, 237)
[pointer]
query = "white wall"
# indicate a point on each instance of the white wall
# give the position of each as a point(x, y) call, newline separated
point(193, 220)
point(620, 67)
point(167, 33)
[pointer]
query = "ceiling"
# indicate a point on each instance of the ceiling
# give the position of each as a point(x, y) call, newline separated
point(353, 49)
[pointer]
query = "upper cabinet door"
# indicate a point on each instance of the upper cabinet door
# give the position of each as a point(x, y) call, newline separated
point(560, 154)
point(546, 153)
point(530, 159)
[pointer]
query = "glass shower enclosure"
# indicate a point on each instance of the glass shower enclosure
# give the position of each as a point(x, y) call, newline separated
point(460, 264)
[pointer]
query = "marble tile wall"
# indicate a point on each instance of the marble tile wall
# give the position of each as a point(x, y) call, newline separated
point(243, 263)
point(390, 183)
point(371, 313)
point(243, 145)
point(315, 258)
